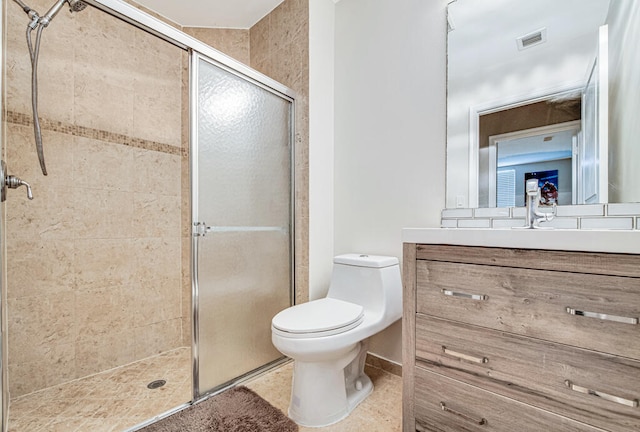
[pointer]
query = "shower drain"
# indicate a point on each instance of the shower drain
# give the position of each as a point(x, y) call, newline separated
point(156, 384)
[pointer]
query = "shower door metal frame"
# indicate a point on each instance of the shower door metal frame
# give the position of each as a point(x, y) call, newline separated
point(198, 230)
point(4, 388)
point(152, 25)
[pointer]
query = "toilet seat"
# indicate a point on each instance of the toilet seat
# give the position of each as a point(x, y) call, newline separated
point(324, 317)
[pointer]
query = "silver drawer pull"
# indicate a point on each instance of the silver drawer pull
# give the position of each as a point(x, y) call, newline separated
point(465, 295)
point(628, 402)
point(466, 357)
point(607, 317)
point(445, 408)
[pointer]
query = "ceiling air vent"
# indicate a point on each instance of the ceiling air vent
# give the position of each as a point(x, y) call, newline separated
point(532, 39)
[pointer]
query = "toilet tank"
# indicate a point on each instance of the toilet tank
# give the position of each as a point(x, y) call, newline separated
point(368, 280)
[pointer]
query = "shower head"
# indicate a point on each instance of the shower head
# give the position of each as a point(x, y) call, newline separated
point(74, 6)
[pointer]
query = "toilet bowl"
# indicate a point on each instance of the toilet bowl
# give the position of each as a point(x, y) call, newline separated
point(328, 338)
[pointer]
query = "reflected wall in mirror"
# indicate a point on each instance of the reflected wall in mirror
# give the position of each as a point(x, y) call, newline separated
point(549, 85)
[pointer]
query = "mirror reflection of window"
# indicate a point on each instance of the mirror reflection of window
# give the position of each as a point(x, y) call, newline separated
point(506, 187)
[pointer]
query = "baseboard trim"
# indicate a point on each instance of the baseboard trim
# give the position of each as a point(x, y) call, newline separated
point(383, 364)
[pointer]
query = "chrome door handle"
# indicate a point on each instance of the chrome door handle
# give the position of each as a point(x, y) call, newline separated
point(479, 297)
point(605, 317)
point(199, 229)
point(480, 422)
point(463, 356)
point(633, 403)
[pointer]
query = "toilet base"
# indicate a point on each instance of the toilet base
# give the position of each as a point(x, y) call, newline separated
point(324, 393)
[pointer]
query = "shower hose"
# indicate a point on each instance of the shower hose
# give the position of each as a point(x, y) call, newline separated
point(34, 51)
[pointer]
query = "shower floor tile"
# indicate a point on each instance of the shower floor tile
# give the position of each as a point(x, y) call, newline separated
point(111, 401)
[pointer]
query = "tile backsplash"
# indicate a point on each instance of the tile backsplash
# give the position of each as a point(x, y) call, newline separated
point(592, 216)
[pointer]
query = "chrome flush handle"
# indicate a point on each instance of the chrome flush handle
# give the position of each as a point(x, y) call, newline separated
point(11, 181)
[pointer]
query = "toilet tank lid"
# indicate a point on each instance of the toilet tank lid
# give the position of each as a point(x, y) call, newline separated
point(364, 260)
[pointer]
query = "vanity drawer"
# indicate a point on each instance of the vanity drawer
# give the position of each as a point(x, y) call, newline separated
point(534, 371)
point(578, 262)
point(446, 405)
point(536, 303)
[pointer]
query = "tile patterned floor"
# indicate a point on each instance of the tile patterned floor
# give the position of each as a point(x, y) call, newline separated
point(380, 412)
point(117, 400)
point(111, 401)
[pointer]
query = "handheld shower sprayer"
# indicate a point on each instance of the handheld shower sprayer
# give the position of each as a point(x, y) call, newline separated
point(41, 22)
point(51, 13)
point(74, 6)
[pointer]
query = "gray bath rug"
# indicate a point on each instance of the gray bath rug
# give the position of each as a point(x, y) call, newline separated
point(235, 410)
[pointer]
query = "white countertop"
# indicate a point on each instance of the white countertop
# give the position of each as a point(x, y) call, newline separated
point(620, 241)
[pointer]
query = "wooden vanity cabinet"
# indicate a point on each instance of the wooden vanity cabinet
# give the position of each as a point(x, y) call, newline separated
point(511, 339)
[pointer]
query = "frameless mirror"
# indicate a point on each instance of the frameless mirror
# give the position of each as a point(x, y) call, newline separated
point(548, 89)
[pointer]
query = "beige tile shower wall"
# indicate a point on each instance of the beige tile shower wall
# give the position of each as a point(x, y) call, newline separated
point(232, 42)
point(279, 48)
point(94, 261)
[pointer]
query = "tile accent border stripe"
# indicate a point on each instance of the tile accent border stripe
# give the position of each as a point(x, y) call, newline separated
point(96, 134)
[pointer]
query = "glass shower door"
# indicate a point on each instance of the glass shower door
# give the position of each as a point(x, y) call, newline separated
point(242, 221)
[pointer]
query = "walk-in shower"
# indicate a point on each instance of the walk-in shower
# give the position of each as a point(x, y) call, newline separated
point(40, 23)
point(164, 229)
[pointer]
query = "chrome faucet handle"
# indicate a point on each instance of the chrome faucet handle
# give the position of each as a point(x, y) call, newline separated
point(546, 216)
point(14, 182)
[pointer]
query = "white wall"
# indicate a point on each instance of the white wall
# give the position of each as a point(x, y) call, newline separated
point(624, 82)
point(321, 131)
point(389, 166)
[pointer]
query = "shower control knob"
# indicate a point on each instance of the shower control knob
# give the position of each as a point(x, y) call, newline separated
point(13, 182)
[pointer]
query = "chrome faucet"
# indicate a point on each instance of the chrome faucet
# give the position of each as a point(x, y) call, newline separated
point(533, 216)
point(11, 181)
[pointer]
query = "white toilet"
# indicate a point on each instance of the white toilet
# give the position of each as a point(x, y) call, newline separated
point(327, 338)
